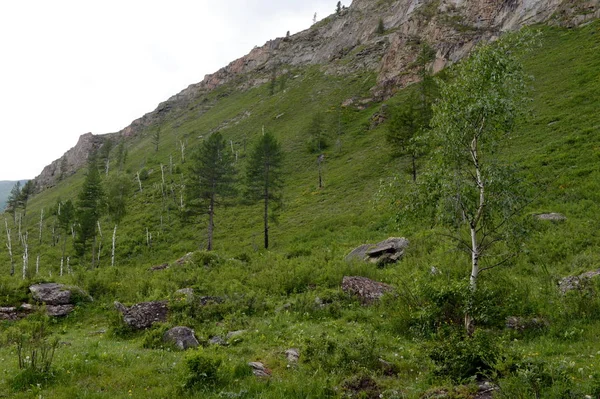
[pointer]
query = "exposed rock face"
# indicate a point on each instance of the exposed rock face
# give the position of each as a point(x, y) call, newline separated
point(347, 43)
point(71, 161)
point(366, 289)
point(142, 315)
point(182, 337)
point(387, 251)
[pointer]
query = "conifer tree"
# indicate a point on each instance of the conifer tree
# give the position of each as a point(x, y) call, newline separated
point(264, 175)
point(211, 179)
point(12, 203)
point(89, 206)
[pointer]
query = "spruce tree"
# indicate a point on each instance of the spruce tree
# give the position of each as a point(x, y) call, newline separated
point(264, 175)
point(211, 179)
point(89, 206)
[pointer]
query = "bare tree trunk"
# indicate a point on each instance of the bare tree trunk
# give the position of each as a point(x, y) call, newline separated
point(37, 265)
point(414, 167)
point(25, 255)
point(266, 216)
point(182, 144)
point(137, 175)
point(69, 270)
point(61, 265)
point(114, 240)
point(9, 246)
point(99, 243)
point(41, 223)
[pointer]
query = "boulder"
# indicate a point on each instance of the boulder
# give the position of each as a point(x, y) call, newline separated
point(51, 293)
point(555, 217)
point(9, 313)
point(576, 282)
point(259, 369)
point(142, 315)
point(235, 334)
point(159, 267)
point(366, 289)
point(217, 340)
point(384, 252)
point(182, 337)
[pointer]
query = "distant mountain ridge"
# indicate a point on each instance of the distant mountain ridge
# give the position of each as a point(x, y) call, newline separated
point(5, 187)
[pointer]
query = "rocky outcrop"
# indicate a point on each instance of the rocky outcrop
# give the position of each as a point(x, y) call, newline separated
point(367, 290)
point(259, 369)
point(384, 252)
point(554, 217)
point(71, 161)
point(181, 337)
point(346, 43)
point(143, 315)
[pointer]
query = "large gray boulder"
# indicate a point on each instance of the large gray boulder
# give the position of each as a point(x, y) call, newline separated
point(367, 290)
point(384, 252)
point(142, 315)
point(181, 337)
point(51, 293)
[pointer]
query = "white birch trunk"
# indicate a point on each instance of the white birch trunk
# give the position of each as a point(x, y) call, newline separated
point(61, 266)
point(37, 265)
point(114, 240)
point(9, 246)
point(41, 223)
point(25, 256)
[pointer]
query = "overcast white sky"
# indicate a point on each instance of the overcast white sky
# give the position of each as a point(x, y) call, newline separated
point(72, 67)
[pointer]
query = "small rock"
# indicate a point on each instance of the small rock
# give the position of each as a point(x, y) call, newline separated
point(217, 340)
point(209, 300)
point(521, 323)
point(384, 252)
point(555, 217)
point(234, 334)
point(485, 390)
point(184, 259)
point(576, 282)
point(142, 315)
point(8, 313)
point(159, 267)
point(366, 289)
point(292, 354)
point(182, 337)
point(27, 307)
point(259, 369)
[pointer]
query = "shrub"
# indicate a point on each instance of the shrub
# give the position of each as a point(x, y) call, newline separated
point(460, 357)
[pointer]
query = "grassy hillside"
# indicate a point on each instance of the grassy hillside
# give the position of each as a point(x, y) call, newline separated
point(290, 296)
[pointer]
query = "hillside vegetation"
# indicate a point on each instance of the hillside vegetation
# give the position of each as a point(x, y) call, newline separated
point(409, 344)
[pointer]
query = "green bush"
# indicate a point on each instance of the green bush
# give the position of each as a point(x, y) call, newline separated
point(460, 357)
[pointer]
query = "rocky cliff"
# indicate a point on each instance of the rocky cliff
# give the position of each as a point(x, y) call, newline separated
point(348, 41)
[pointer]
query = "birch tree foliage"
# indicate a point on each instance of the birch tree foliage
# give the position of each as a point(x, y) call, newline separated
point(468, 186)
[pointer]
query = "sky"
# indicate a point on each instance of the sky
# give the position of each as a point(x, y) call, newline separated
point(68, 67)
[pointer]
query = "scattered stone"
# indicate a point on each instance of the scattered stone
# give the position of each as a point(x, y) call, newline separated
point(485, 390)
point(235, 334)
point(217, 340)
point(51, 293)
point(184, 259)
point(382, 253)
point(576, 282)
point(522, 323)
point(182, 337)
point(59, 310)
point(27, 307)
point(98, 332)
point(366, 289)
point(142, 315)
point(209, 300)
point(555, 217)
point(159, 267)
point(9, 313)
point(292, 354)
point(259, 369)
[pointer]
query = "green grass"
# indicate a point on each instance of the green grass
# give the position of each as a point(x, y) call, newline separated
point(276, 295)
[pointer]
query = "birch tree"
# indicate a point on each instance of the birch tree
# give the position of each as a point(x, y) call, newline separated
point(472, 190)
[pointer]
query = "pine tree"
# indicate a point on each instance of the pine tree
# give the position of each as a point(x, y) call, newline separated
point(26, 193)
point(211, 179)
point(12, 203)
point(264, 175)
